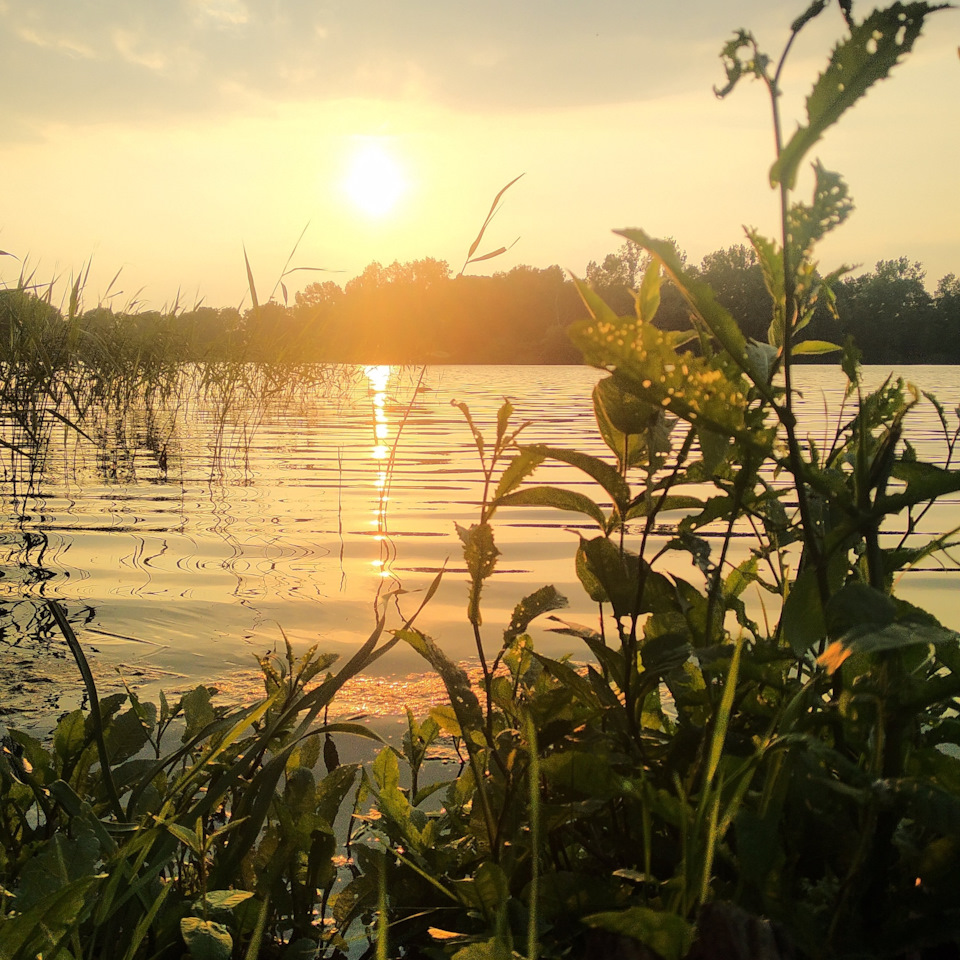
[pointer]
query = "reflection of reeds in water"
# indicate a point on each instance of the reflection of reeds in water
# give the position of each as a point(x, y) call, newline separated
point(115, 398)
point(124, 381)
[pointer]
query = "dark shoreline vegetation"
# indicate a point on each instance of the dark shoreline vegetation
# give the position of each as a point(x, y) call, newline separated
point(708, 785)
point(418, 312)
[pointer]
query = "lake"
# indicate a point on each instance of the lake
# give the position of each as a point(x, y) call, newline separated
point(180, 570)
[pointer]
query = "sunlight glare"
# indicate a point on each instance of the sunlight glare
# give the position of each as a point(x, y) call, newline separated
point(374, 181)
point(379, 377)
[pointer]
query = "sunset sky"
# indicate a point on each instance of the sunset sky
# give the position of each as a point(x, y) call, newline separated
point(158, 137)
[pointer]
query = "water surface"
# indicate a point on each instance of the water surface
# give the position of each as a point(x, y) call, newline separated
point(182, 572)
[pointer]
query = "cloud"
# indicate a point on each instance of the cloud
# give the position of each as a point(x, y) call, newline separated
point(134, 49)
point(186, 60)
point(62, 43)
point(227, 13)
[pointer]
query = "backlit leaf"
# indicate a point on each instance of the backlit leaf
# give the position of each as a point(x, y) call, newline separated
point(226, 899)
point(559, 499)
point(815, 347)
point(541, 601)
point(666, 933)
point(519, 468)
point(648, 296)
point(831, 206)
point(702, 301)
point(206, 939)
point(462, 698)
point(804, 624)
point(480, 554)
point(866, 56)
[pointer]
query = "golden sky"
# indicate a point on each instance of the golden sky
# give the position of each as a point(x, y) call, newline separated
point(160, 138)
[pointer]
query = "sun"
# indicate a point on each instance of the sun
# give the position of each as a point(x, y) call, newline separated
point(374, 181)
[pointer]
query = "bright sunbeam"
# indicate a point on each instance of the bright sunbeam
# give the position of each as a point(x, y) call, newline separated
point(374, 181)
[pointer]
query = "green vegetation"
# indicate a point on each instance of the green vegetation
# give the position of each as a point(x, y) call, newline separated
point(417, 312)
point(126, 381)
point(719, 779)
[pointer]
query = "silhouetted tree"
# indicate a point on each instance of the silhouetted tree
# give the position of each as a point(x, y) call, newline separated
point(887, 311)
point(737, 281)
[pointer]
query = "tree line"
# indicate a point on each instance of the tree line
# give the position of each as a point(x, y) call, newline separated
point(419, 312)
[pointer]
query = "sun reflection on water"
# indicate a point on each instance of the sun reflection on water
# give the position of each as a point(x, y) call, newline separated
point(379, 379)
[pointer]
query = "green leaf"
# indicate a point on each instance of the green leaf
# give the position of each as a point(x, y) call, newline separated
point(251, 284)
point(862, 620)
point(666, 933)
point(224, 899)
point(856, 605)
point(386, 770)
point(300, 792)
point(581, 774)
point(714, 447)
point(462, 699)
point(604, 473)
point(491, 887)
point(831, 206)
point(664, 652)
point(924, 802)
point(493, 209)
point(850, 362)
point(648, 296)
point(815, 347)
point(206, 939)
point(37, 931)
point(610, 575)
point(446, 719)
point(634, 429)
point(642, 505)
point(519, 468)
point(559, 499)
point(69, 737)
point(771, 264)
point(625, 411)
point(480, 554)
point(897, 558)
point(598, 307)
point(59, 862)
point(333, 789)
point(814, 10)
point(125, 736)
point(702, 301)
point(741, 577)
point(188, 838)
point(924, 481)
point(804, 624)
point(735, 66)
point(569, 678)
point(866, 56)
point(545, 599)
point(197, 711)
point(764, 357)
point(699, 389)
point(503, 420)
point(493, 949)
point(477, 435)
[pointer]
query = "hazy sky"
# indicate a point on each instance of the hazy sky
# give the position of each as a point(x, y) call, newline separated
point(158, 137)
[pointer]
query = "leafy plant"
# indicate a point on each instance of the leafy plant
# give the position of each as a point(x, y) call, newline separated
point(115, 841)
point(706, 777)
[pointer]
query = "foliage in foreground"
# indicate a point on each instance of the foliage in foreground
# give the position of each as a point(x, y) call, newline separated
point(118, 843)
point(721, 779)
